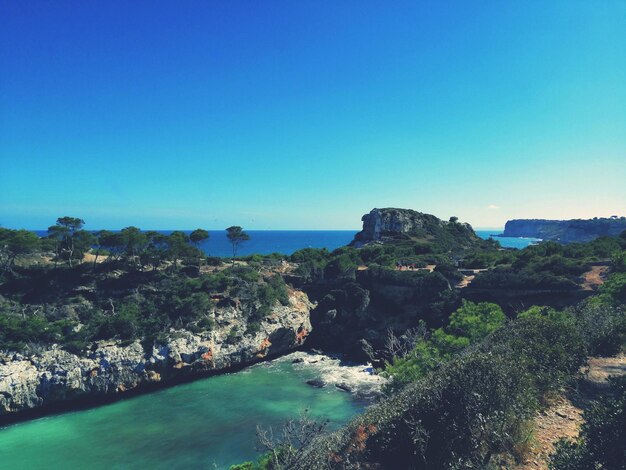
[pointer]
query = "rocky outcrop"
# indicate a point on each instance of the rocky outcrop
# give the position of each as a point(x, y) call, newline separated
point(565, 231)
point(355, 318)
point(55, 376)
point(389, 223)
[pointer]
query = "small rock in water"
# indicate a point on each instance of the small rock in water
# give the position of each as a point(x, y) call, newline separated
point(344, 387)
point(316, 383)
point(297, 360)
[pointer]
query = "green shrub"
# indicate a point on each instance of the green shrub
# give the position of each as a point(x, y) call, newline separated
point(467, 325)
point(614, 289)
point(602, 325)
point(550, 349)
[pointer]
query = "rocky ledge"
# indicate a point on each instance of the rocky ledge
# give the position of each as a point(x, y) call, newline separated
point(56, 377)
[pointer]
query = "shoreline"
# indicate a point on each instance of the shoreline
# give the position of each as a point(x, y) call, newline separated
point(305, 356)
point(86, 402)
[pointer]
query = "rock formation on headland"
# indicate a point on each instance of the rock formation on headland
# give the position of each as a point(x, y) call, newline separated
point(565, 231)
point(54, 376)
point(389, 223)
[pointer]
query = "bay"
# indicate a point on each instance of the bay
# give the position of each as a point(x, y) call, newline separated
point(209, 423)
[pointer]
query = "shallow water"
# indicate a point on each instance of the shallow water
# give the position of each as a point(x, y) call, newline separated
point(209, 423)
point(507, 242)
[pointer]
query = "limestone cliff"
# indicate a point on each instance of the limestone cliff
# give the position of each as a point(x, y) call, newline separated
point(387, 224)
point(565, 231)
point(55, 376)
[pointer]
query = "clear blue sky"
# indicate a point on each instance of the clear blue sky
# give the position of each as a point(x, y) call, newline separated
point(307, 114)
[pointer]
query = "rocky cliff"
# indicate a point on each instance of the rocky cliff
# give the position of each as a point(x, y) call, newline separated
point(110, 368)
point(565, 231)
point(392, 223)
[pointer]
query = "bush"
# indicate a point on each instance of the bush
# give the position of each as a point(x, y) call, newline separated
point(550, 349)
point(614, 289)
point(467, 325)
point(602, 325)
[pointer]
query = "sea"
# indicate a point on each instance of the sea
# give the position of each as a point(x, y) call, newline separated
point(506, 242)
point(209, 423)
point(286, 242)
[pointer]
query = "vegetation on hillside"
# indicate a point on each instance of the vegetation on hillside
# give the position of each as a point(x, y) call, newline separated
point(149, 283)
point(465, 394)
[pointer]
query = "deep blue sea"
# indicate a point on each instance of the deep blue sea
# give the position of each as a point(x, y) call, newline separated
point(287, 241)
point(277, 241)
point(270, 241)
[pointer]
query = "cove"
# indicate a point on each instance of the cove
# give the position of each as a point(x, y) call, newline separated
point(209, 423)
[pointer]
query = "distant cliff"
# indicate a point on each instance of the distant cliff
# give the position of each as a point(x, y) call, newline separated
point(565, 231)
point(387, 224)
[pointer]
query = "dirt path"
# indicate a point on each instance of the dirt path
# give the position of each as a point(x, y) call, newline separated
point(466, 281)
point(594, 278)
point(562, 419)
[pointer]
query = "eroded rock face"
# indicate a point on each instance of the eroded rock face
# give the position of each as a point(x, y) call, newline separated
point(55, 375)
point(391, 221)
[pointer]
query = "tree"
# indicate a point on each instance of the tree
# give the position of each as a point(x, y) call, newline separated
point(177, 245)
point(64, 233)
point(112, 242)
point(83, 241)
point(156, 250)
point(14, 243)
point(237, 236)
point(198, 236)
point(134, 241)
point(57, 233)
point(100, 236)
point(475, 321)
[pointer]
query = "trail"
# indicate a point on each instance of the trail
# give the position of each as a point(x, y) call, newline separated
point(563, 418)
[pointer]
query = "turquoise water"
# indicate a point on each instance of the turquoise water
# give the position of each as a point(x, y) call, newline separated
point(210, 423)
point(507, 242)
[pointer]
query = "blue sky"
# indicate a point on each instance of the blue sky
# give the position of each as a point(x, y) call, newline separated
point(307, 114)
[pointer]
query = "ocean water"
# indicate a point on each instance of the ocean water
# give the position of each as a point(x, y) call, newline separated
point(265, 242)
point(507, 242)
point(288, 241)
point(209, 423)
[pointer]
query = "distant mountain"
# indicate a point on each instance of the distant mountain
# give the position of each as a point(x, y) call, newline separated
point(565, 231)
point(393, 224)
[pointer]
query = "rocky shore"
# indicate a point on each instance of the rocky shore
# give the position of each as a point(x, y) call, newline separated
point(54, 377)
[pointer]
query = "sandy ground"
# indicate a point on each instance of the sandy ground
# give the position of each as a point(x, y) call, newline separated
point(90, 257)
point(466, 281)
point(562, 419)
point(594, 278)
